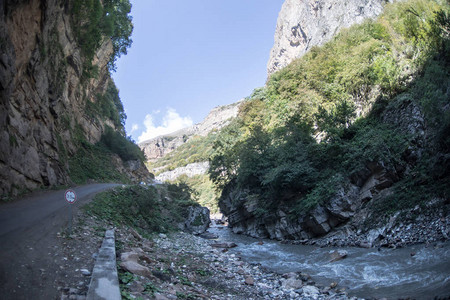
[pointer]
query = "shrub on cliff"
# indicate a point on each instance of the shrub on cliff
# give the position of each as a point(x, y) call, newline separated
point(121, 145)
point(92, 22)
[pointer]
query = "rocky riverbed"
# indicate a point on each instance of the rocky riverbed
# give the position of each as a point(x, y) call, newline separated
point(428, 225)
point(183, 266)
point(177, 266)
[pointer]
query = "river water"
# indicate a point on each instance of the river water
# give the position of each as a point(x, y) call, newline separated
point(366, 273)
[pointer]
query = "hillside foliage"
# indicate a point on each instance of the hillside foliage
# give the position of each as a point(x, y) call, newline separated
point(197, 149)
point(319, 122)
point(108, 107)
point(203, 190)
point(147, 209)
point(95, 20)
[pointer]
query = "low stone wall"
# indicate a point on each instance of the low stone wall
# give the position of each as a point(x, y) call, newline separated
point(104, 281)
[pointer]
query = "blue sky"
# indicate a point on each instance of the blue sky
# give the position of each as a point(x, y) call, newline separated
point(188, 57)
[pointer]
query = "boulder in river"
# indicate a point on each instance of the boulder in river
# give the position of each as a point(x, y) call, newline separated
point(223, 245)
point(338, 255)
point(198, 220)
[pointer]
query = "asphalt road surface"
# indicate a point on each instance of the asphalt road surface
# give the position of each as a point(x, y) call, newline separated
point(28, 232)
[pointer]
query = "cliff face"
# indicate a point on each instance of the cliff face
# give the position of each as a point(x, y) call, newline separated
point(189, 170)
point(43, 96)
point(304, 24)
point(217, 118)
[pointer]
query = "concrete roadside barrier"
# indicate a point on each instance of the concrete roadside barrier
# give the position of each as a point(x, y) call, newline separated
point(104, 281)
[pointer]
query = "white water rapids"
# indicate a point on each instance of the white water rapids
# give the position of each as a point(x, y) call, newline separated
point(367, 273)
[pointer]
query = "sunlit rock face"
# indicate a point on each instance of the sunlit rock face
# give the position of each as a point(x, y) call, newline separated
point(303, 24)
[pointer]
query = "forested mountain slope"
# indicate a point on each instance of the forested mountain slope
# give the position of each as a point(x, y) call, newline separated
point(346, 136)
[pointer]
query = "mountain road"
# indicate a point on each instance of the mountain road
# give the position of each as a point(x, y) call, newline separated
point(29, 241)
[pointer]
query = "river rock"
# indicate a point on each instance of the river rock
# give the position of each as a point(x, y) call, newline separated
point(85, 272)
point(338, 255)
point(290, 275)
point(136, 268)
point(209, 236)
point(311, 291)
point(129, 256)
point(223, 245)
point(375, 235)
point(292, 284)
point(130, 264)
point(198, 220)
point(249, 280)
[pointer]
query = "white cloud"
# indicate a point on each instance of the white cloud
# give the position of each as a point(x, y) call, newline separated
point(171, 122)
point(134, 127)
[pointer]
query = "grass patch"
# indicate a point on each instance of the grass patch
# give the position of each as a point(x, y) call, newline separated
point(93, 162)
point(146, 209)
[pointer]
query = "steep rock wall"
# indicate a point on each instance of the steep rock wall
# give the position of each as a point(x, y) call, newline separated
point(43, 97)
point(303, 24)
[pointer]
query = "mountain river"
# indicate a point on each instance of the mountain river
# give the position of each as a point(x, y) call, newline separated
point(419, 272)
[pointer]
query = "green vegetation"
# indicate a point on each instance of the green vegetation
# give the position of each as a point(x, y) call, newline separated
point(108, 107)
point(202, 190)
point(93, 20)
point(197, 149)
point(121, 145)
point(93, 162)
point(147, 209)
point(322, 121)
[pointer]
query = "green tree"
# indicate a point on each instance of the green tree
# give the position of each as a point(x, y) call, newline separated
point(92, 22)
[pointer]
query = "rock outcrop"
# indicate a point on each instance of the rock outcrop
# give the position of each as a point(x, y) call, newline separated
point(217, 118)
point(189, 170)
point(43, 96)
point(304, 24)
point(243, 217)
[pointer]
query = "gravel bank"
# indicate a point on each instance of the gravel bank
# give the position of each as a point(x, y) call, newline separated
point(183, 266)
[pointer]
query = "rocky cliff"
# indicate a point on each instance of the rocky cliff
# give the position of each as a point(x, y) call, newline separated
point(303, 24)
point(44, 94)
point(217, 118)
point(189, 170)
